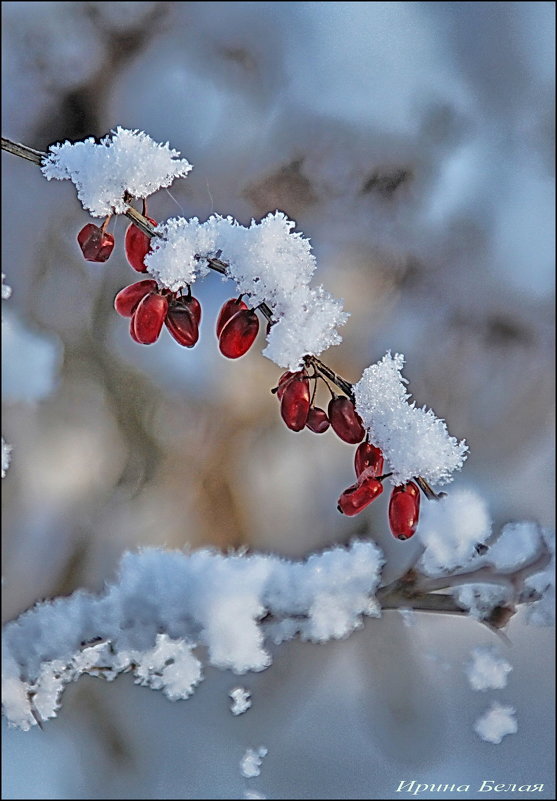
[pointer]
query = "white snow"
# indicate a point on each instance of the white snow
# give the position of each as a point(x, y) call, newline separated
point(124, 161)
point(450, 528)
point(6, 457)
point(517, 543)
point(480, 599)
point(241, 700)
point(496, 723)
point(414, 441)
point(6, 290)
point(487, 670)
point(268, 262)
point(250, 764)
point(201, 598)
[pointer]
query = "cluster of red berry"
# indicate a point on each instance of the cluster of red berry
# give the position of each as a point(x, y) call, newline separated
point(150, 307)
point(237, 327)
point(298, 412)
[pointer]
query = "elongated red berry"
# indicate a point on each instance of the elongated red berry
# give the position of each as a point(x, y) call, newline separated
point(239, 333)
point(404, 510)
point(354, 499)
point(295, 402)
point(229, 309)
point(149, 317)
point(182, 325)
point(192, 305)
point(317, 421)
point(345, 421)
point(95, 244)
point(368, 457)
point(283, 382)
point(137, 245)
point(127, 298)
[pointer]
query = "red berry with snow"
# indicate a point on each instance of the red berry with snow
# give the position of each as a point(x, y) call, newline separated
point(95, 243)
point(368, 457)
point(128, 298)
point(229, 309)
point(355, 499)
point(148, 318)
point(238, 334)
point(295, 402)
point(317, 421)
point(345, 421)
point(404, 510)
point(137, 245)
point(182, 324)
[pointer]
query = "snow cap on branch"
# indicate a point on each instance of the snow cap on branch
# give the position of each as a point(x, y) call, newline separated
point(414, 441)
point(123, 162)
point(269, 262)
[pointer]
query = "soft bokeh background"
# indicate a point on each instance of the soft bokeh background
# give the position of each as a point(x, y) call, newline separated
point(413, 142)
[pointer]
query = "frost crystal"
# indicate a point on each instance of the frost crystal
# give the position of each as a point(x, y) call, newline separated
point(241, 700)
point(496, 723)
point(250, 764)
point(450, 528)
point(124, 162)
point(269, 263)
point(6, 457)
point(487, 670)
point(414, 441)
point(517, 543)
point(6, 290)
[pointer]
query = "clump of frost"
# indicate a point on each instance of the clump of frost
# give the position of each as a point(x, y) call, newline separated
point(480, 599)
point(269, 263)
point(517, 543)
point(487, 670)
point(6, 457)
point(542, 611)
point(450, 528)
point(202, 598)
point(250, 763)
point(254, 794)
point(241, 700)
point(496, 723)
point(124, 162)
point(6, 290)
point(414, 441)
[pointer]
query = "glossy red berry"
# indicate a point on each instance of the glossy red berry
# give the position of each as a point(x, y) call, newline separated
point(295, 402)
point(283, 382)
point(128, 298)
point(148, 318)
point(182, 324)
point(317, 421)
point(354, 499)
point(229, 309)
point(345, 421)
point(368, 457)
point(404, 510)
point(95, 243)
point(137, 245)
point(239, 333)
point(192, 305)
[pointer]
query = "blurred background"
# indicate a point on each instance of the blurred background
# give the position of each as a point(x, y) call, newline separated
point(414, 144)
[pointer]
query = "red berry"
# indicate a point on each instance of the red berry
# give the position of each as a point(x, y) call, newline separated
point(192, 305)
point(354, 499)
point(317, 421)
point(127, 298)
point(345, 420)
point(239, 333)
point(283, 381)
point(404, 510)
point(368, 457)
point(149, 317)
point(228, 310)
point(182, 324)
point(95, 244)
point(137, 245)
point(295, 403)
